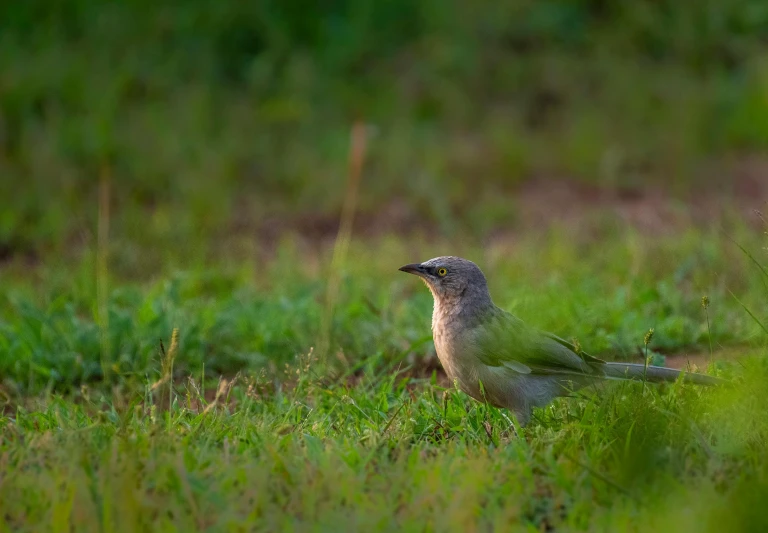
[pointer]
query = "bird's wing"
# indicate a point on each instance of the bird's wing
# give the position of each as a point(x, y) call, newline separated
point(504, 340)
point(581, 353)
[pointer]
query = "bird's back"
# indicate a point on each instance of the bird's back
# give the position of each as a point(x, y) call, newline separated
point(504, 339)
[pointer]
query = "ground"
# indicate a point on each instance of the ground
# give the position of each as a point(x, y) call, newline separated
point(264, 414)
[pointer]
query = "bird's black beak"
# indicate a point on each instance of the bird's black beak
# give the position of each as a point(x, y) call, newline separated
point(414, 268)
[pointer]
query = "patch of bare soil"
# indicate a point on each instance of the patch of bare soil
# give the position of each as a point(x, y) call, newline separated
point(651, 209)
point(687, 361)
point(700, 360)
point(539, 203)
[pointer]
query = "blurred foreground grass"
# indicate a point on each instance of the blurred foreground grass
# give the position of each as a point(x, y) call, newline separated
point(388, 454)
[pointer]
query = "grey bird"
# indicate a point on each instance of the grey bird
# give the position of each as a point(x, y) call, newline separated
point(495, 357)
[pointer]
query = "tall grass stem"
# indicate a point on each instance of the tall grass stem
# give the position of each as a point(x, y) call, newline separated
point(102, 271)
point(357, 150)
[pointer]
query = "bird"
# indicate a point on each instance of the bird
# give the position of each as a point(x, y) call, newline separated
point(495, 357)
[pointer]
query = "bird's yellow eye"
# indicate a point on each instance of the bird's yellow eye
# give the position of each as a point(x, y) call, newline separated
point(441, 272)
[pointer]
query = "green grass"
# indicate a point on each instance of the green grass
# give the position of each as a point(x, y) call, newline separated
point(256, 312)
point(388, 454)
point(367, 436)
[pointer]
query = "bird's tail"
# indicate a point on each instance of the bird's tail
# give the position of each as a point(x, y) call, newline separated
point(656, 374)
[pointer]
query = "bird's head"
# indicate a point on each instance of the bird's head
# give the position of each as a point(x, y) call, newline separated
point(451, 278)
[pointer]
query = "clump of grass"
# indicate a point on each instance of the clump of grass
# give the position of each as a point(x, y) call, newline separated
point(166, 366)
point(647, 338)
point(763, 277)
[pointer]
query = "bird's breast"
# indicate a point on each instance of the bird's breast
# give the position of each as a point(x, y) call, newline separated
point(446, 346)
point(455, 355)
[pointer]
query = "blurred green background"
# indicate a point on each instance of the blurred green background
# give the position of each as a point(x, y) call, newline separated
point(218, 117)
